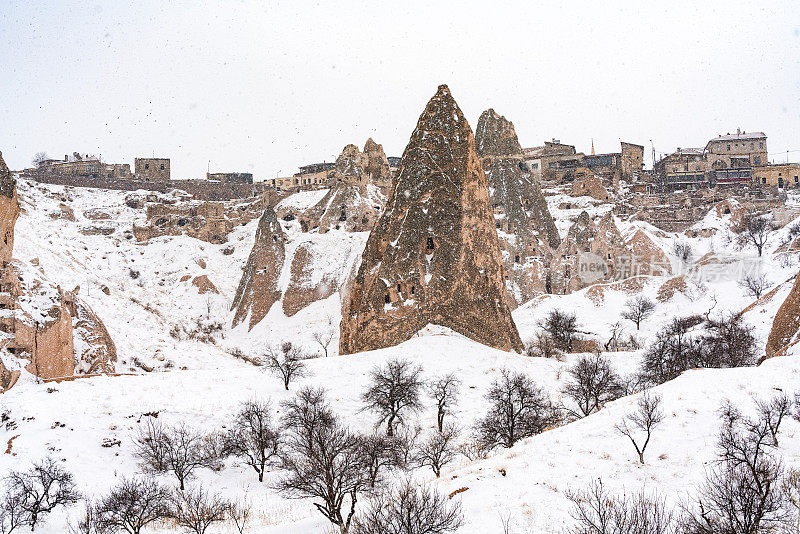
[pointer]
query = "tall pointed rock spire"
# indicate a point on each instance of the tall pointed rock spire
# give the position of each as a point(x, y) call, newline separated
point(434, 256)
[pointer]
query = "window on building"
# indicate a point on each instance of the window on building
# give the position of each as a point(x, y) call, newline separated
point(412, 290)
point(162, 166)
point(760, 145)
point(729, 148)
point(516, 258)
point(430, 245)
point(146, 166)
point(398, 288)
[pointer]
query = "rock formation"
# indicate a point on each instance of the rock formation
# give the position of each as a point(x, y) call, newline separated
point(95, 351)
point(9, 211)
point(525, 227)
point(378, 165)
point(786, 323)
point(434, 255)
point(258, 288)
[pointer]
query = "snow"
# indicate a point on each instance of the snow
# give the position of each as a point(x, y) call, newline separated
point(202, 383)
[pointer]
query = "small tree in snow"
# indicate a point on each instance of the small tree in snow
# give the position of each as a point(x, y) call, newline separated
point(252, 437)
point(438, 449)
point(444, 390)
point(393, 391)
point(638, 309)
point(647, 416)
point(286, 362)
point(755, 229)
point(754, 285)
point(518, 409)
point(591, 383)
point(197, 509)
point(32, 494)
point(132, 505)
point(562, 327)
point(324, 334)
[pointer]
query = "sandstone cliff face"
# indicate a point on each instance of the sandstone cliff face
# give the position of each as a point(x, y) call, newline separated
point(258, 288)
point(434, 255)
point(786, 323)
point(378, 165)
point(95, 351)
point(9, 211)
point(526, 229)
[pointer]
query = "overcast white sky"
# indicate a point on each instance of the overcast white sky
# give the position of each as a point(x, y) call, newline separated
point(263, 87)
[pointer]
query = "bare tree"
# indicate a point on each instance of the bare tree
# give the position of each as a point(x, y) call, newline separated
point(380, 453)
point(393, 391)
point(39, 158)
point(132, 505)
point(772, 412)
point(325, 334)
point(410, 509)
point(32, 494)
point(614, 341)
point(754, 285)
point(791, 489)
point(178, 449)
point(324, 461)
point(647, 416)
point(286, 362)
point(638, 309)
point(306, 413)
point(755, 229)
point(438, 449)
point(518, 409)
point(87, 522)
point(596, 511)
point(197, 509)
point(591, 383)
point(252, 437)
point(405, 444)
point(562, 328)
point(743, 492)
point(444, 390)
point(12, 515)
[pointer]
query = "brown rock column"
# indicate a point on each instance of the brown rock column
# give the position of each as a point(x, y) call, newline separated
point(433, 256)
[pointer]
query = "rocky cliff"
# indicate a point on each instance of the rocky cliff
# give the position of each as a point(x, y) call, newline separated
point(434, 256)
point(258, 288)
point(786, 323)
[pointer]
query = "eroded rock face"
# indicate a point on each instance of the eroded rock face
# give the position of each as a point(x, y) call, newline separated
point(525, 227)
point(303, 289)
point(378, 165)
point(434, 255)
point(495, 135)
point(346, 206)
point(95, 351)
point(9, 211)
point(786, 323)
point(258, 288)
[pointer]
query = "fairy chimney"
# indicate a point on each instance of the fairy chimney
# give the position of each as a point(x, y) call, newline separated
point(434, 256)
point(258, 288)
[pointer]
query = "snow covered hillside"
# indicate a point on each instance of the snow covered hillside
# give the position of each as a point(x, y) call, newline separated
point(180, 361)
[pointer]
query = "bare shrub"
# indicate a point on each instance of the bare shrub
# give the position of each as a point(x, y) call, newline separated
point(132, 505)
point(562, 328)
point(286, 362)
point(638, 309)
point(178, 449)
point(438, 449)
point(32, 494)
point(518, 409)
point(754, 285)
point(197, 509)
point(86, 524)
point(772, 412)
point(252, 437)
point(647, 416)
point(591, 383)
point(239, 512)
point(596, 511)
point(410, 509)
point(323, 459)
point(444, 390)
point(394, 390)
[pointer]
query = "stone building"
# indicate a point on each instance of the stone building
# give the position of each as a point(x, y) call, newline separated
point(230, 177)
point(737, 151)
point(782, 175)
point(78, 166)
point(151, 169)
